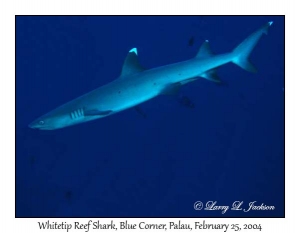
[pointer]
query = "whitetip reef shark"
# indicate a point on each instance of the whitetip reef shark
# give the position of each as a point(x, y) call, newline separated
point(136, 85)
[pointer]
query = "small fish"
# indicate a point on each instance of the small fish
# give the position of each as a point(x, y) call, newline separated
point(191, 41)
point(140, 111)
point(68, 195)
point(185, 101)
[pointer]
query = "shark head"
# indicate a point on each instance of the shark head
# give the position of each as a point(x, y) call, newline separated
point(61, 118)
point(50, 122)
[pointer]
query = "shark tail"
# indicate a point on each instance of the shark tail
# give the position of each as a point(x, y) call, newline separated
point(242, 52)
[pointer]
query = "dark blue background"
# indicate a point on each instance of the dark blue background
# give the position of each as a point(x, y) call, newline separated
point(229, 147)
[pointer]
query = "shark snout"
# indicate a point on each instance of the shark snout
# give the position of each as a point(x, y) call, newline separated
point(37, 124)
point(33, 125)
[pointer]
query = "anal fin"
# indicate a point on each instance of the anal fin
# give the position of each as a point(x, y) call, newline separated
point(211, 75)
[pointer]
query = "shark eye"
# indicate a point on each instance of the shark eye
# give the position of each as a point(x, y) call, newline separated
point(41, 122)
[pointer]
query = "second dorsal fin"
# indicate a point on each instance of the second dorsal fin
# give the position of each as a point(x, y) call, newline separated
point(131, 64)
point(204, 50)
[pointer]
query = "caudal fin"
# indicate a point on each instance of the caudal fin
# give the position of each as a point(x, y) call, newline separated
point(242, 52)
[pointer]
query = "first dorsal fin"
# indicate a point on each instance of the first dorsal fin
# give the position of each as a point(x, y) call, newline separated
point(204, 50)
point(131, 64)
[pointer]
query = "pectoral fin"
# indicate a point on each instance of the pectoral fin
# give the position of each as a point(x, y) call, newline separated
point(96, 112)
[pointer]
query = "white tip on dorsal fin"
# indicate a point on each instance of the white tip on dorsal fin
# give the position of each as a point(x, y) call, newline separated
point(131, 64)
point(204, 50)
point(133, 50)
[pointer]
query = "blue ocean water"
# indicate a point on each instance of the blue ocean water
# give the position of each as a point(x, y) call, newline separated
point(229, 147)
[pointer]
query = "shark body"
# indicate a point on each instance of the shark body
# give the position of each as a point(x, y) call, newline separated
point(136, 85)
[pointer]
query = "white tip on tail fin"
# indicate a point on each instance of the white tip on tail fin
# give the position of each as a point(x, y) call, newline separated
point(242, 52)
